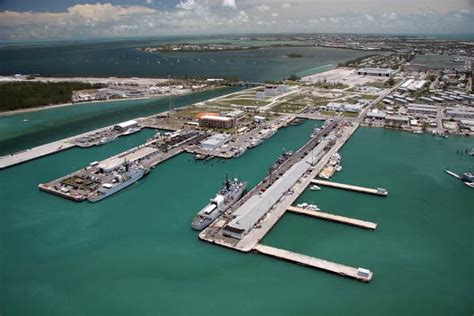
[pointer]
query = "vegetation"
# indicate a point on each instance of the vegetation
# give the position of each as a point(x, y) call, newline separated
point(329, 85)
point(245, 102)
point(369, 96)
point(350, 114)
point(354, 62)
point(30, 94)
point(294, 55)
point(289, 107)
point(383, 85)
point(352, 101)
point(294, 78)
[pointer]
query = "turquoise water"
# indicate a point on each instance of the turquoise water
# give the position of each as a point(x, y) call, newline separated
point(53, 124)
point(438, 61)
point(422, 251)
point(135, 253)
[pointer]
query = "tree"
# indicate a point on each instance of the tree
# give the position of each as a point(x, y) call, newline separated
point(294, 78)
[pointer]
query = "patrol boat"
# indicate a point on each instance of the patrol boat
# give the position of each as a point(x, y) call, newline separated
point(227, 196)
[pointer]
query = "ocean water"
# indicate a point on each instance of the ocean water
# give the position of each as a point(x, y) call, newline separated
point(135, 253)
point(124, 58)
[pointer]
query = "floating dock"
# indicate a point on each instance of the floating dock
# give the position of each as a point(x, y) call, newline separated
point(453, 174)
point(356, 273)
point(378, 191)
point(334, 218)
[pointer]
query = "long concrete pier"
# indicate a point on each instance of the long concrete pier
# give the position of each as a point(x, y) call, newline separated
point(36, 152)
point(334, 218)
point(356, 273)
point(349, 187)
point(44, 150)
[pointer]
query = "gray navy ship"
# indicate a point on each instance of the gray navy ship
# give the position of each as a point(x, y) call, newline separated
point(121, 181)
point(227, 196)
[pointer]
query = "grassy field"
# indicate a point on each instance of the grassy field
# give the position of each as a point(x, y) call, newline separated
point(350, 114)
point(288, 107)
point(369, 96)
point(245, 102)
point(30, 94)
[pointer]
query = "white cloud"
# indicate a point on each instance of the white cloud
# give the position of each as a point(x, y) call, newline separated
point(186, 5)
point(263, 7)
point(368, 17)
point(229, 4)
point(214, 16)
point(106, 11)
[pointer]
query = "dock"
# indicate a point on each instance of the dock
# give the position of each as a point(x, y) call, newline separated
point(349, 187)
point(316, 263)
point(333, 218)
point(36, 152)
point(453, 174)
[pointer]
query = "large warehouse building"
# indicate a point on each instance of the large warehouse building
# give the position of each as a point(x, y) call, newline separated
point(376, 72)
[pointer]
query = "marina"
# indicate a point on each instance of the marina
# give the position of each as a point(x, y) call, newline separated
point(333, 218)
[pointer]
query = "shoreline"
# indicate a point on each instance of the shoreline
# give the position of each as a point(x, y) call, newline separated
point(55, 106)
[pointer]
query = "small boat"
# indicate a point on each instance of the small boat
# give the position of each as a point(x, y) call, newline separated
point(315, 188)
point(468, 179)
point(313, 207)
point(25, 120)
point(302, 205)
point(338, 168)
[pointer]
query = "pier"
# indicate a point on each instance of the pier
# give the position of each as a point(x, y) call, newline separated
point(316, 263)
point(36, 152)
point(333, 218)
point(349, 187)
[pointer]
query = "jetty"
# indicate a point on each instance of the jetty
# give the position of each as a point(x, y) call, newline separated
point(360, 274)
point(333, 217)
point(349, 187)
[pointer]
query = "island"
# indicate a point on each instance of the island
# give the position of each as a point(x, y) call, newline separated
point(186, 47)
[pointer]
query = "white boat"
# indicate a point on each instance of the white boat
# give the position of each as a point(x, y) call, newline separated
point(313, 207)
point(302, 205)
point(338, 168)
point(315, 188)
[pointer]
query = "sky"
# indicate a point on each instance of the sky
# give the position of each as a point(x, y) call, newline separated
point(22, 20)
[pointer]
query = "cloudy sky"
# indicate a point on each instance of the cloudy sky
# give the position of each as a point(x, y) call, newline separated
point(67, 19)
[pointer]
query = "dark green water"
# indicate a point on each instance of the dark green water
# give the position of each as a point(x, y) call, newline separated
point(53, 124)
point(135, 253)
point(125, 58)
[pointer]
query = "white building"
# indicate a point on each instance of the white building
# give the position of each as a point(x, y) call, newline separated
point(424, 109)
point(376, 114)
point(214, 142)
point(460, 113)
point(344, 107)
point(122, 127)
point(376, 72)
